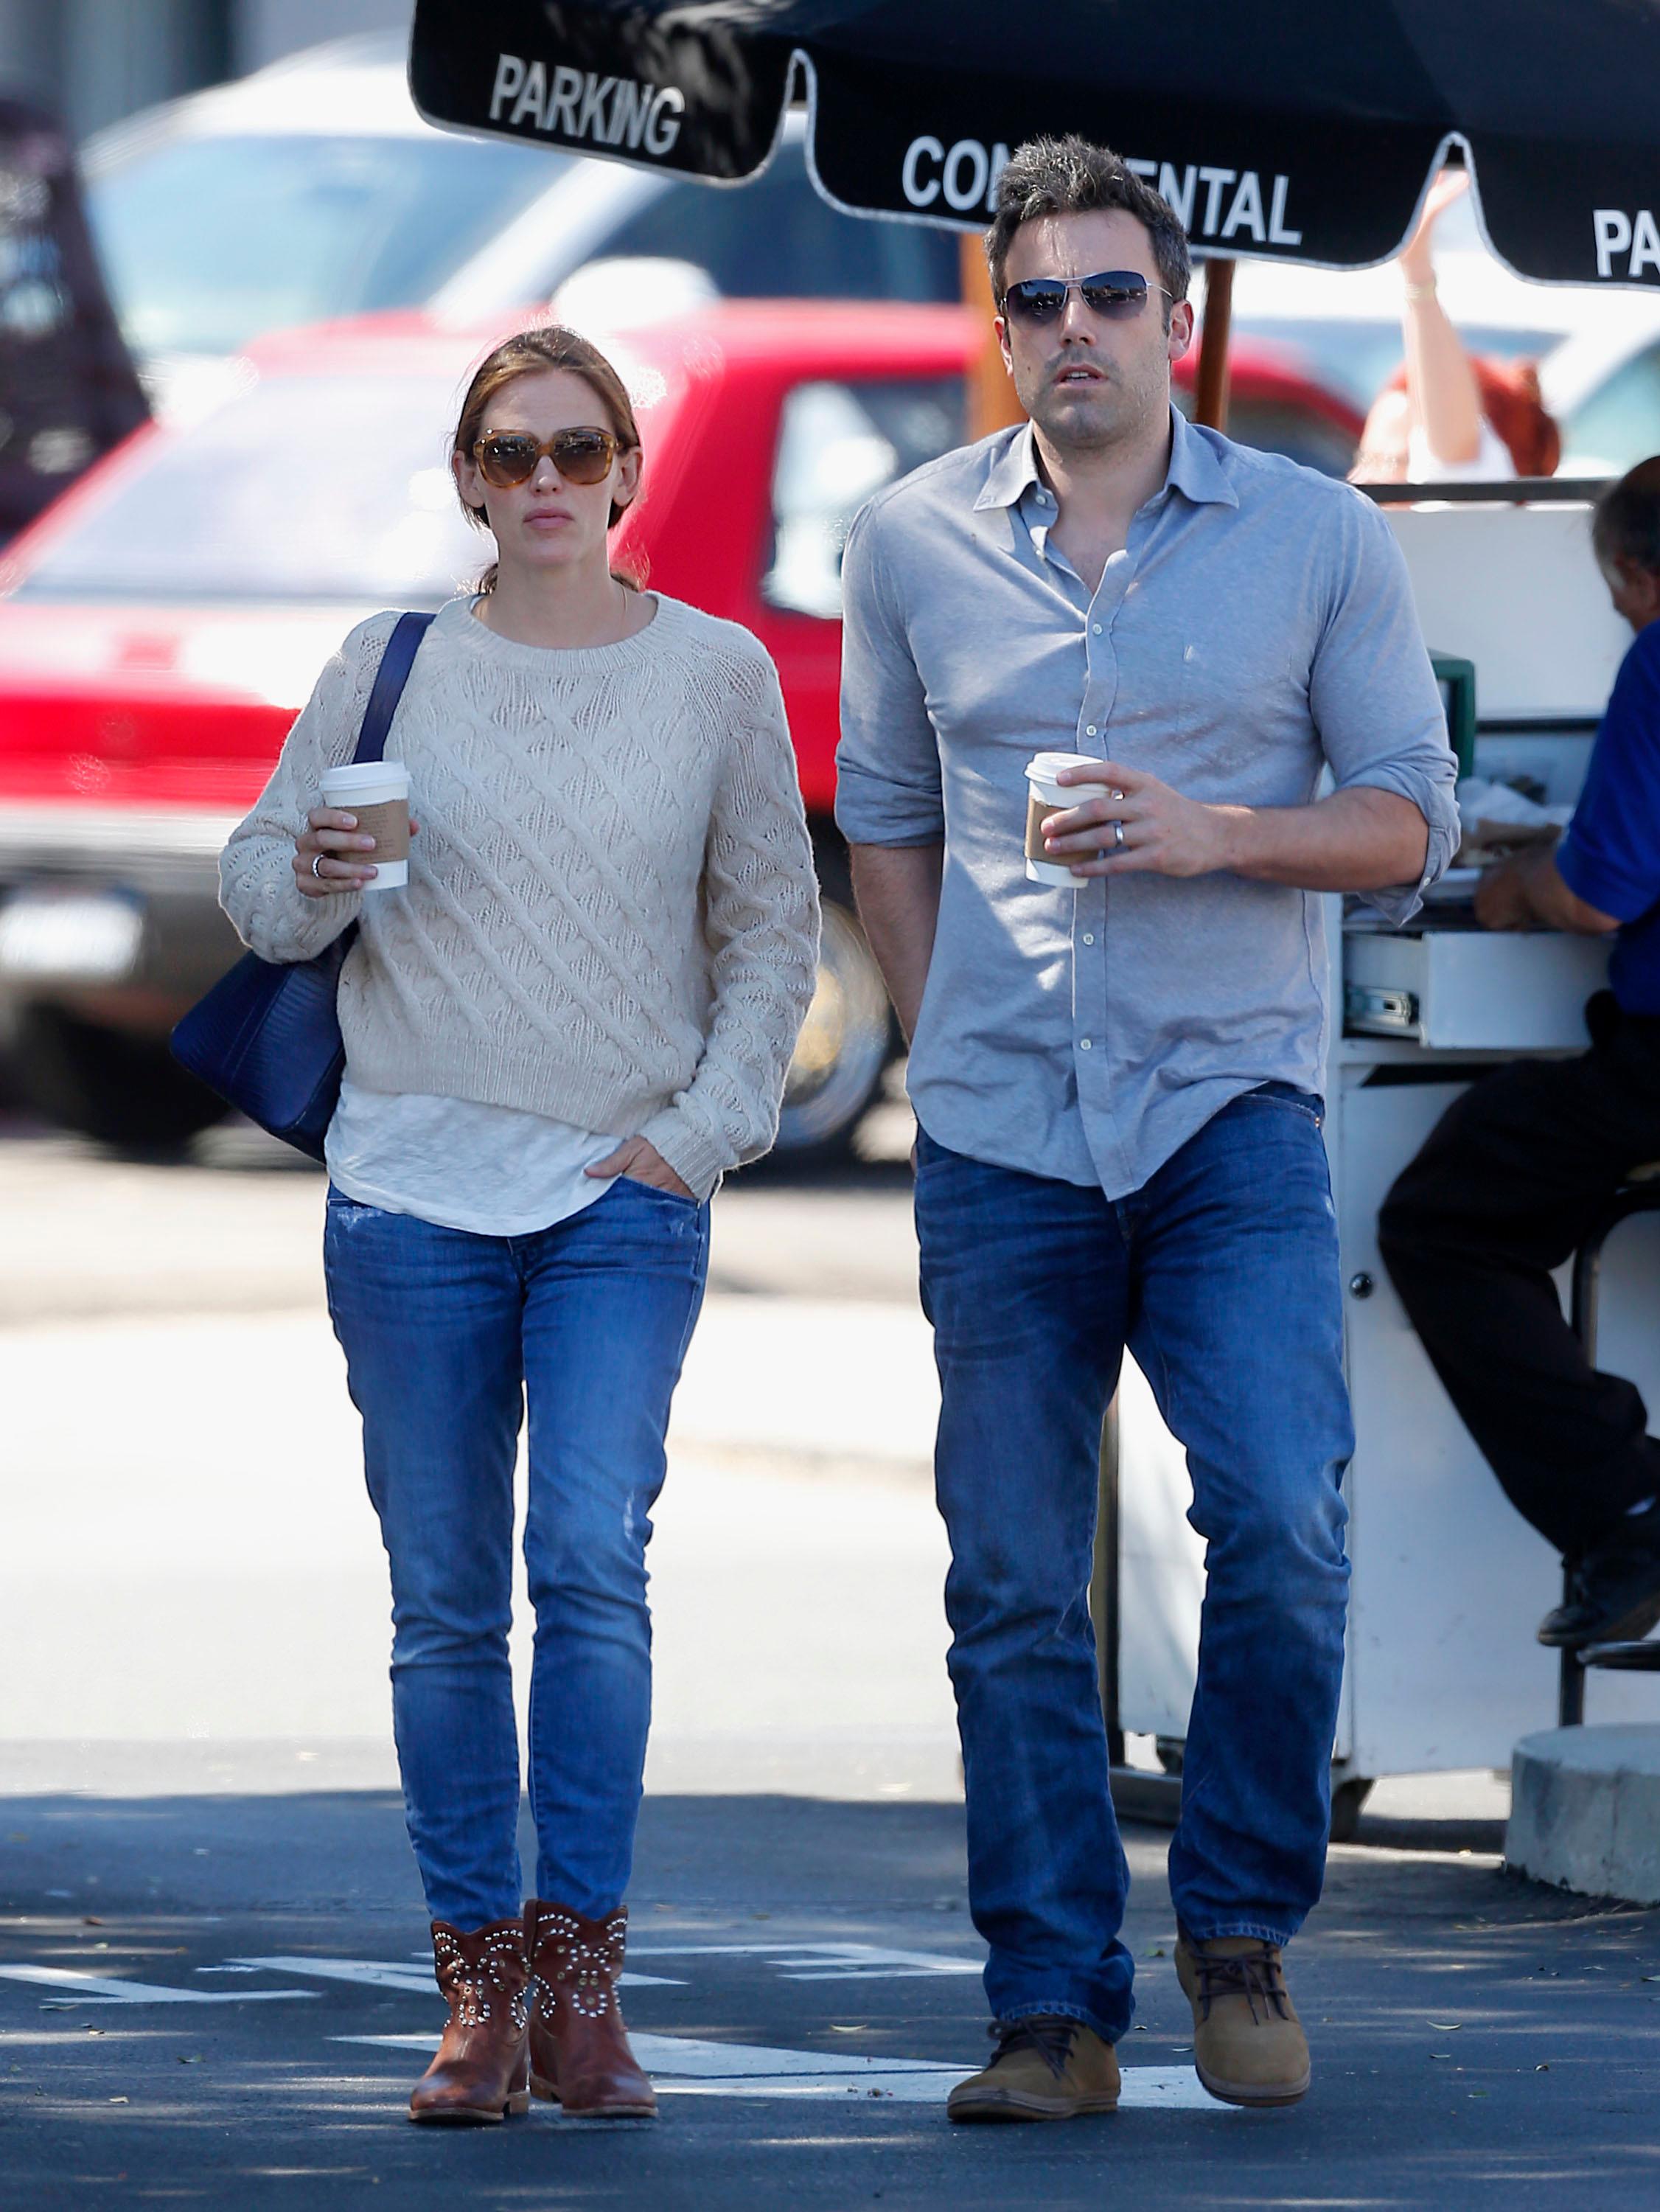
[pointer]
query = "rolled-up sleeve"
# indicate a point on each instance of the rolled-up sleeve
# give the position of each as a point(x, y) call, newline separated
point(888, 764)
point(1373, 694)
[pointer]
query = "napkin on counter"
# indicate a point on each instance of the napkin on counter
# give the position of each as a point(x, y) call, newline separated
point(1496, 820)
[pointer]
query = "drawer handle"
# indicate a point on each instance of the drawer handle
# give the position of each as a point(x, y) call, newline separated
point(1379, 1006)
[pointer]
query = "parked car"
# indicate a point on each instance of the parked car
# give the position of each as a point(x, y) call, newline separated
point(161, 626)
point(313, 191)
point(1603, 385)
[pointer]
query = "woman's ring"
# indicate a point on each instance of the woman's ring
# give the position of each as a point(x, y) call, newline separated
point(316, 871)
point(1118, 836)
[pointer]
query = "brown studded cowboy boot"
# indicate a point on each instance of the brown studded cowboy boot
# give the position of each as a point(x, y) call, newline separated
point(482, 2071)
point(579, 2054)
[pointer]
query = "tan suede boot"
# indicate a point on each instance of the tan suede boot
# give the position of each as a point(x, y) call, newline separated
point(1249, 2047)
point(482, 2071)
point(579, 2054)
point(1048, 2067)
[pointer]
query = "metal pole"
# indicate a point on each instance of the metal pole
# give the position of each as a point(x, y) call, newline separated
point(1584, 1286)
point(1103, 1583)
point(992, 402)
point(1210, 396)
point(1571, 1678)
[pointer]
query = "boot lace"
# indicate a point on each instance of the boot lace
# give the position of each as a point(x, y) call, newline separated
point(1049, 2034)
point(1256, 1976)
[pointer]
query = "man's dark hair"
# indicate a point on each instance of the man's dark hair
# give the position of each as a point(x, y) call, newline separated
point(1068, 176)
point(1626, 526)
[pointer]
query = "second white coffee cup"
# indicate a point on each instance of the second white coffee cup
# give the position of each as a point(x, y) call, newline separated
point(378, 793)
point(1046, 797)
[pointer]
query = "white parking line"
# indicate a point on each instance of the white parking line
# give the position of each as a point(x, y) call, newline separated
point(680, 2065)
point(821, 1962)
point(101, 1988)
point(376, 1973)
point(693, 2066)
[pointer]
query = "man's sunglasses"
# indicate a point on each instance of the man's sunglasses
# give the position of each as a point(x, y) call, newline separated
point(1116, 294)
point(581, 457)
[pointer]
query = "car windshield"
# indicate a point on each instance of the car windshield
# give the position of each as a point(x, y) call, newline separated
point(778, 239)
point(302, 488)
point(207, 242)
point(1619, 425)
point(838, 444)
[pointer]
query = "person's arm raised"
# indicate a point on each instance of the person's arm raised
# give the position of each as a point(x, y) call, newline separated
point(1446, 399)
point(897, 888)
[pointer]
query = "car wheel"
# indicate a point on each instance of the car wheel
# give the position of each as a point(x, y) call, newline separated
point(127, 1092)
point(843, 1048)
point(1347, 1797)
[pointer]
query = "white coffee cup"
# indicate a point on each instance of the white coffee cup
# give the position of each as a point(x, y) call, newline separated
point(1045, 797)
point(378, 793)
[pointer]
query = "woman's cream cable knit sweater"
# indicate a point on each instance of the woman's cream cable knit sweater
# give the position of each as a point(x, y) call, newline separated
point(611, 916)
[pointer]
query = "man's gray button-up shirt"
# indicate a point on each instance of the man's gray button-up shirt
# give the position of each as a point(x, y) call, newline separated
point(1256, 628)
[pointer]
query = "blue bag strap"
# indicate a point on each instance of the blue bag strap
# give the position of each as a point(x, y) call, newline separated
point(391, 676)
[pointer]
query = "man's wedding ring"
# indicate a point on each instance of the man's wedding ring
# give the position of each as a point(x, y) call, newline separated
point(1118, 836)
point(318, 871)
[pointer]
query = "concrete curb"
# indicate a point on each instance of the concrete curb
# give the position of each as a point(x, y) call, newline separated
point(1585, 1811)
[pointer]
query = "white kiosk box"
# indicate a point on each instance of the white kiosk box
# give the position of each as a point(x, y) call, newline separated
point(1449, 1583)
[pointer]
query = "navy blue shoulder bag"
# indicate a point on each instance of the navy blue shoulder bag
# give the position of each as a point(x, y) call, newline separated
point(267, 1036)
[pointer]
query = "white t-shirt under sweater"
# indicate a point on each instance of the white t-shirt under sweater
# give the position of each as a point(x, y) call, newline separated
point(611, 917)
point(491, 1169)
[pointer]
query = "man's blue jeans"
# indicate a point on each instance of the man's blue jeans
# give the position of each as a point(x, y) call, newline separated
point(446, 1337)
point(1221, 1275)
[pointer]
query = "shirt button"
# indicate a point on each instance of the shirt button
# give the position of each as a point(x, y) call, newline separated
point(1090, 731)
point(1098, 630)
point(1083, 1044)
point(1089, 937)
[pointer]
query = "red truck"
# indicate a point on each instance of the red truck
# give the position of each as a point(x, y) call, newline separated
point(162, 623)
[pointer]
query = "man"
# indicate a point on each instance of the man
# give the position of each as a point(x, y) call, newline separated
point(1116, 1089)
point(1518, 1171)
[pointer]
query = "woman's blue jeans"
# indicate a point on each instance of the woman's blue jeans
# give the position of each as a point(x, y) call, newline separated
point(1221, 1277)
point(448, 1337)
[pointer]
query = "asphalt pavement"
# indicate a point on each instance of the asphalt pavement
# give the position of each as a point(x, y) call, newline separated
point(214, 1981)
point(221, 1997)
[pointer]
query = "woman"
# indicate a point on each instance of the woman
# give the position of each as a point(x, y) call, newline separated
point(1447, 415)
point(574, 1018)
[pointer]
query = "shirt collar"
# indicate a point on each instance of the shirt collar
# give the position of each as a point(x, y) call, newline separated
point(1012, 474)
point(1195, 469)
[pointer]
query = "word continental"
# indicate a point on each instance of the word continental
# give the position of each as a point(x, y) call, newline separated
point(1212, 202)
point(608, 110)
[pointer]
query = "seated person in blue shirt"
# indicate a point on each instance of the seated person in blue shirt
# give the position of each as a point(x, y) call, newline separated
point(1515, 1174)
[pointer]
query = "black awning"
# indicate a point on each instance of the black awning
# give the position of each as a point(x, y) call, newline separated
point(1297, 129)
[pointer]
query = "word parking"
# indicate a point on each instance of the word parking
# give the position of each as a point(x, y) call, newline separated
point(606, 111)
